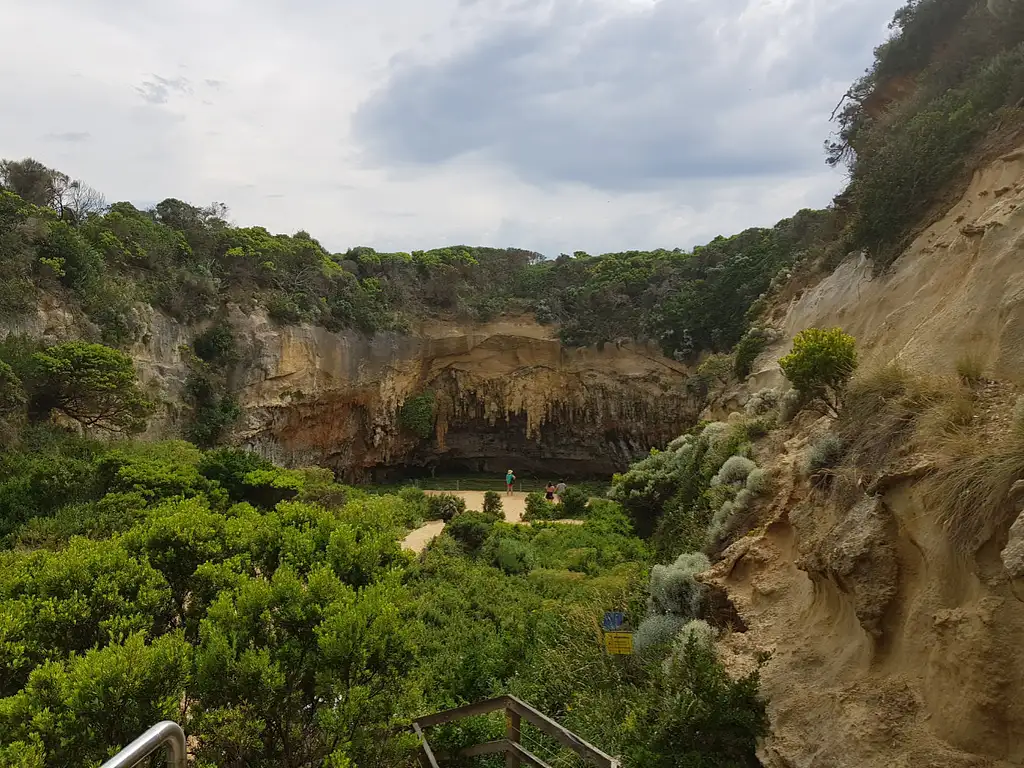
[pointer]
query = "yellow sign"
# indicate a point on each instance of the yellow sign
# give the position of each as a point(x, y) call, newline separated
point(619, 643)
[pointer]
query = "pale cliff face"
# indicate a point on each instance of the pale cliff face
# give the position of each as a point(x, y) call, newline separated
point(958, 290)
point(504, 391)
point(890, 647)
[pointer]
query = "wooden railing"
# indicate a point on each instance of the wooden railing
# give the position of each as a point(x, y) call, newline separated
point(516, 755)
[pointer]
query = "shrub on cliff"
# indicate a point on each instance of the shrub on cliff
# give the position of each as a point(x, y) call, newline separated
point(749, 347)
point(417, 415)
point(821, 365)
point(825, 453)
point(91, 384)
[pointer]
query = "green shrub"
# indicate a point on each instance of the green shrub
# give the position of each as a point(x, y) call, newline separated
point(538, 508)
point(825, 453)
point(493, 506)
point(416, 500)
point(674, 588)
point(574, 504)
point(417, 415)
point(735, 470)
point(229, 468)
point(92, 384)
point(753, 343)
point(582, 560)
point(12, 403)
point(214, 411)
point(470, 529)
point(718, 368)
point(444, 506)
point(657, 632)
point(514, 557)
point(216, 346)
point(821, 365)
point(762, 402)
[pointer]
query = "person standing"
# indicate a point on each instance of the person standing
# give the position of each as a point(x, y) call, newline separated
point(549, 492)
point(560, 490)
point(510, 481)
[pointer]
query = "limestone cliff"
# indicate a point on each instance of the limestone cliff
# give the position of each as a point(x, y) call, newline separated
point(507, 394)
point(958, 290)
point(891, 647)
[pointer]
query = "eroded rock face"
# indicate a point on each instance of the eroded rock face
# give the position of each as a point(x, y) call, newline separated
point(858, 555)
point(507, 394)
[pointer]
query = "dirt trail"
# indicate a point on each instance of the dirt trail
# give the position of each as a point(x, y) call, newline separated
point(514, 507)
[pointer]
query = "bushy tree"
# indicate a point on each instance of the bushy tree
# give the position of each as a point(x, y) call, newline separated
point(821, 365)
point(92, 384)
point(574, 503)
point(471, 529)
point(78, 710)
point(493, 506)
point(444, 506)
point(537, 507)
point(296, 671)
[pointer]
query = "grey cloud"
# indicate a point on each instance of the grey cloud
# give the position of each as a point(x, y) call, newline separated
point(637, 98)
point(158, 90)
point(71, 137)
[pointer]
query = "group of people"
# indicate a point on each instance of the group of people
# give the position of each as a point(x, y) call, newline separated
point(552, 491)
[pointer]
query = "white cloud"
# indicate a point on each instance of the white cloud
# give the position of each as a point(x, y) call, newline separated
point(252, 103)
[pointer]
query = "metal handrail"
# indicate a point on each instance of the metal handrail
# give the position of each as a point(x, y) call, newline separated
point(167, 734)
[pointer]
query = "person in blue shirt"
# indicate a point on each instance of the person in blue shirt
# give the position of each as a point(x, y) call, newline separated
point(510, 480)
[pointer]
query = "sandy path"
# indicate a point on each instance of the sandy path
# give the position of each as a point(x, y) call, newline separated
point(417, 540)
point(514, 507)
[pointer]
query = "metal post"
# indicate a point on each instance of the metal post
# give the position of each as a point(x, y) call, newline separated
point(167, 734)
point(513, 732)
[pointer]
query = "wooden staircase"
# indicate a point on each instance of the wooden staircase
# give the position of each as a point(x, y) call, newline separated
point(516, 754)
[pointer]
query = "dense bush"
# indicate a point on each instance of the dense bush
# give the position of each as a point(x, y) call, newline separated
point(904, 147)
point(417, 415)
point(444, 506)
point(821, 365)
point(574, 503)
point(747, 349)
point(470, 529)
point(538, 507)
point(90, 383)
point(493, 506)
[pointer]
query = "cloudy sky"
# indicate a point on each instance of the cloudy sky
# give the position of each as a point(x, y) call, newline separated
point(556, 125)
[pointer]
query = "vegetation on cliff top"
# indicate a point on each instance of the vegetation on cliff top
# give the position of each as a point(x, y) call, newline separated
point(190, 261)
point(950, 76)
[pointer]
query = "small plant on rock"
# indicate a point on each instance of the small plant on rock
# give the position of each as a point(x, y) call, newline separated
point(825, 454)
point(821, 365)
point(971, 369)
